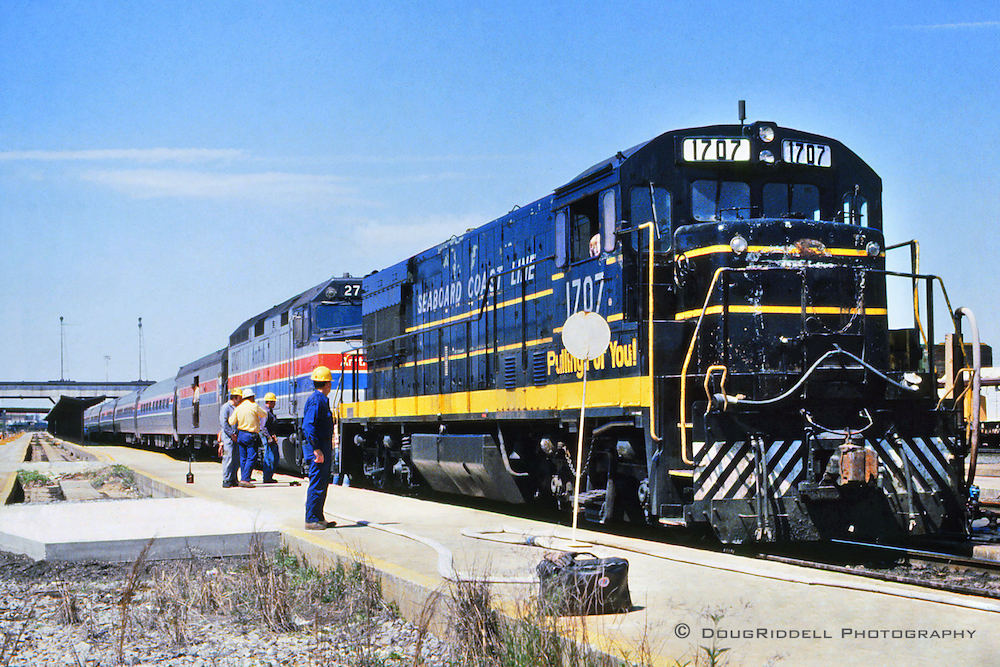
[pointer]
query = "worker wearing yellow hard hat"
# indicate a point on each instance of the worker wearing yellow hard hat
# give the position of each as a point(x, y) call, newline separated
point(247, 418)
point(322, 374)
point(227, 438)
point(317, 447)
point(270, 440)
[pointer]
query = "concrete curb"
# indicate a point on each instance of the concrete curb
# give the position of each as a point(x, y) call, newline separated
point(82, 453)
point(409, 590)
point(10, 489)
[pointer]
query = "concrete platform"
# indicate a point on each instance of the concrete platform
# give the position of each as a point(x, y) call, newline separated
point(763, 612)
point(76, 490)
point(117, 530)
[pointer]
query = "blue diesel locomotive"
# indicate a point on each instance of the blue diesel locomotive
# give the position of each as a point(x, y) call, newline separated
point(752, 383)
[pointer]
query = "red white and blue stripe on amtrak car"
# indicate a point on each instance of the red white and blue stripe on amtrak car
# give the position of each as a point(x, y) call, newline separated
point(275, 377)
point(207, 392)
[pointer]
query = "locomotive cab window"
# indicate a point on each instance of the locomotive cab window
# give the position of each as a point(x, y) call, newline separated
point(791, 200)
point(586, 228)
point(648, 203)
point(561, 236)
point(336, 317)
point(855, 209)
point(712, 201)
point(584, 225)
point(609, 218)
point(300, 326)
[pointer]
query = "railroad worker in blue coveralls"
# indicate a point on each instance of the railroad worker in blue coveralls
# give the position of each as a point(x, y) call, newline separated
point(227, 439)
point(270, 440)
point(247, 418)
point(317, 447)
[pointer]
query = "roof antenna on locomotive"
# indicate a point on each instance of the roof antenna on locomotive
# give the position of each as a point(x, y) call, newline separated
point(743, 111)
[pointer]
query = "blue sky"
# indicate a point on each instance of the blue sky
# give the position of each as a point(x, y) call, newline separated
point(194, 163)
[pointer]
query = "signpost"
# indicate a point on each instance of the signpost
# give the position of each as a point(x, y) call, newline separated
point(586, 336)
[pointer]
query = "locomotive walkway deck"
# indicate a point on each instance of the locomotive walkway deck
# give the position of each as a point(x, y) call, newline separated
point(804, 616)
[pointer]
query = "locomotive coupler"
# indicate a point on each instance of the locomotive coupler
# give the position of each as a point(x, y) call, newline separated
point(851, 465)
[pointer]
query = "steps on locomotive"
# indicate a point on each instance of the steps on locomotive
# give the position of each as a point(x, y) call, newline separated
point(591, 504)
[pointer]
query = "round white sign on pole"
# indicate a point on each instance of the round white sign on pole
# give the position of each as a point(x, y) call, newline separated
point(586, 335)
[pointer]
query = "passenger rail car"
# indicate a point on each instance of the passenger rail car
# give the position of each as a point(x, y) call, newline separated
point(752, 384)
point(155, 416)
point(123, 419)
point(200, 392)
point(106, 416)
point(274, 351)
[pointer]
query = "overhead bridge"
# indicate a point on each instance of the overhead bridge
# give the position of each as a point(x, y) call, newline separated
point(56, 389)
point(69, 399)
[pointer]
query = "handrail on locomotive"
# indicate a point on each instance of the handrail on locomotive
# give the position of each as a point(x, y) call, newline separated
point(952, 378)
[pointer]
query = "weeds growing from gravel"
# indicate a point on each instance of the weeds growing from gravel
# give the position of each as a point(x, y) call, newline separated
point(341, 610)
point(128, 594)
point(532, 636)
point(32, 478)
point(123, 474)
point(12, 640)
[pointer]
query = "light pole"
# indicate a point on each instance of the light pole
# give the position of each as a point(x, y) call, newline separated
point(141, 345)
point(62, 348)
point(107, 360)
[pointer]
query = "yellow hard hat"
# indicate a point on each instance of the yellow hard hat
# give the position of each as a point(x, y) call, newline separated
point(322, 374)
point(269, 396)
point(236, 392)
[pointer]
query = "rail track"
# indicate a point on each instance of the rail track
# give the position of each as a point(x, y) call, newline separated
point(45, 448)
point(938, 570)
point(947, 570)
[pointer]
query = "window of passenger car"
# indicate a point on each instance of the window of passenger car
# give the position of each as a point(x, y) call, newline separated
point(791, 200)
point(712, 201)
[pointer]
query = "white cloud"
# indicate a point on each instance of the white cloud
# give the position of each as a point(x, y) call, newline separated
point(953, 26)
point(160, 183)
point(410, 236)
point(147, 155)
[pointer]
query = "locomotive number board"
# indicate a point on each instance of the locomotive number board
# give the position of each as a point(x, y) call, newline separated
point(716, 149)
point(801, 152)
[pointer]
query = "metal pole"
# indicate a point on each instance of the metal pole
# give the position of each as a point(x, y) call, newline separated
point(579, 452)
point(62, 349)
point(140, 349)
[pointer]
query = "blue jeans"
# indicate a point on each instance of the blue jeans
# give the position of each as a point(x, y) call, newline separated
point(248, 453)
point(269, 460)
point(319, 480)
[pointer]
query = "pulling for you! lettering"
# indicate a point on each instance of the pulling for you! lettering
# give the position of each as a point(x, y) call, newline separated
point(618, 355)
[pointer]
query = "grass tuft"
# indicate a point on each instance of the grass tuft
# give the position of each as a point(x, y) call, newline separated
point(32, 478)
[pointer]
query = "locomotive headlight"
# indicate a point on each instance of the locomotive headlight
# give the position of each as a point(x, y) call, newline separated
point(766, 133)
point(767, 157)
point(873, 249)
point(738, 244)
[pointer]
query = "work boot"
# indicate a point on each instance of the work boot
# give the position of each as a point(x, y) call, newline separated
point(316, 525)
point(246, 485)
